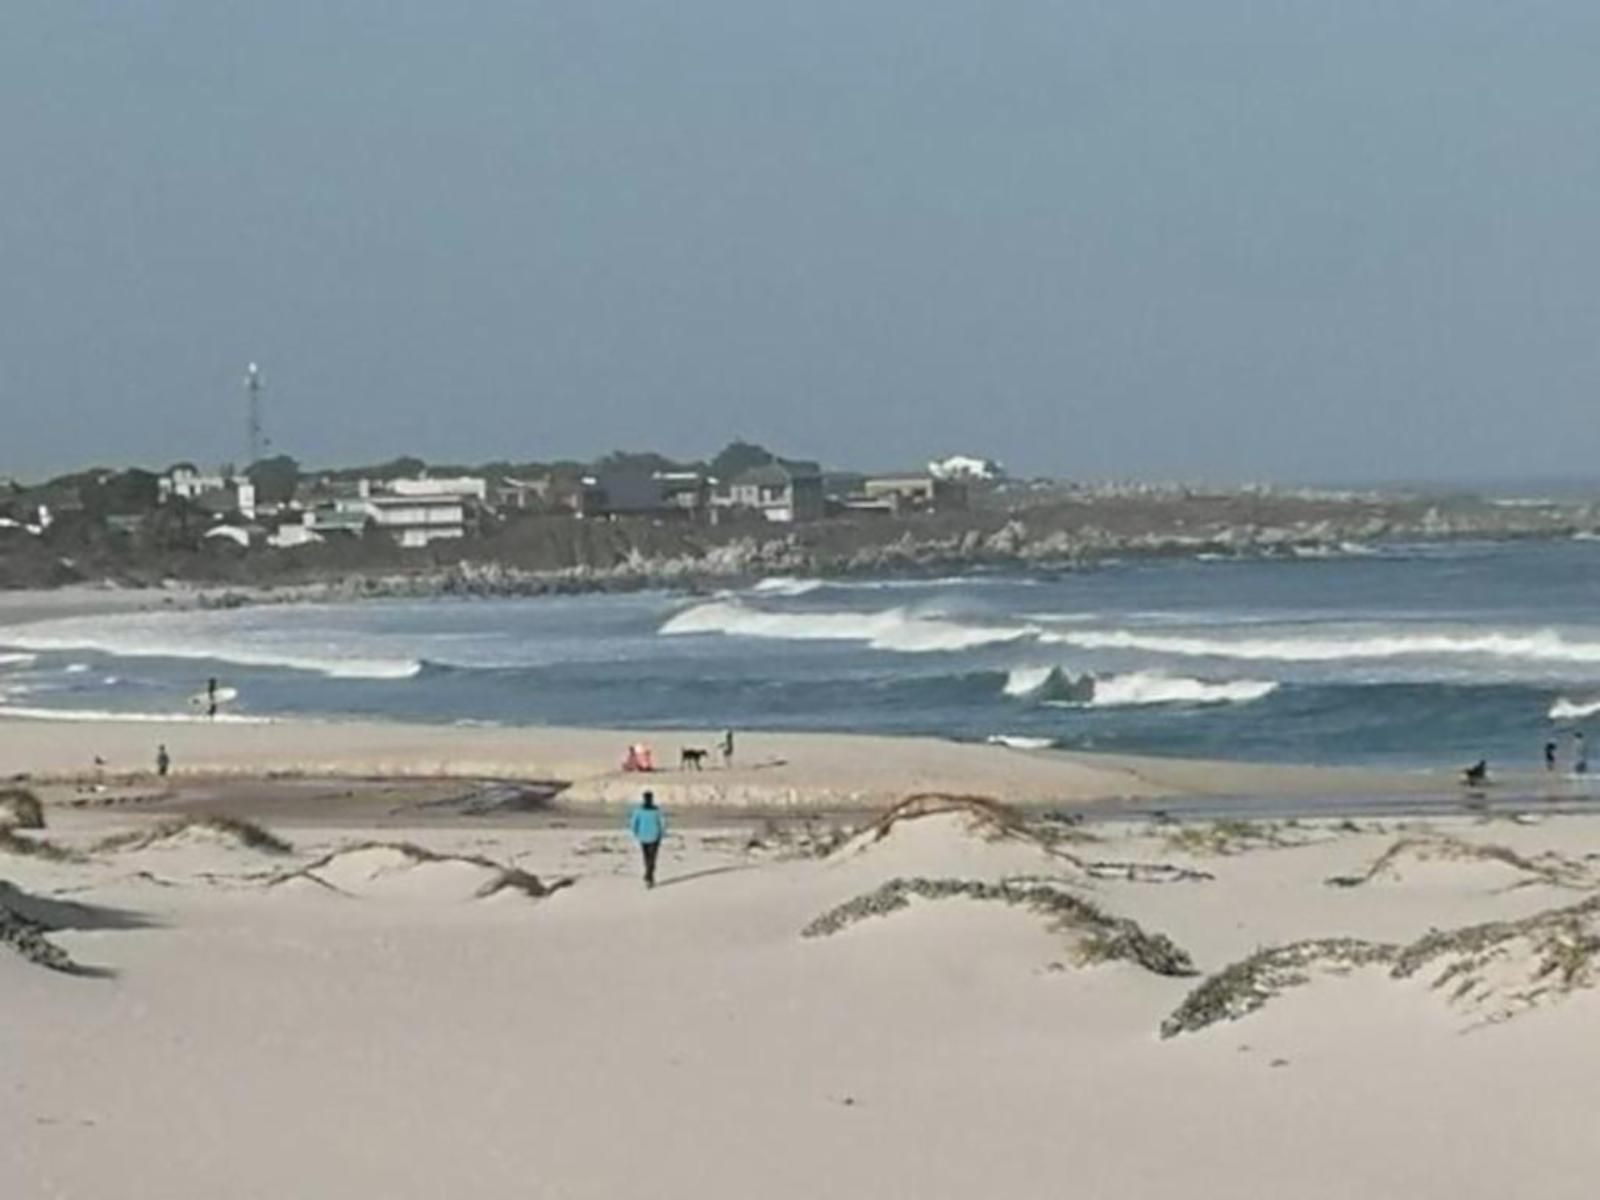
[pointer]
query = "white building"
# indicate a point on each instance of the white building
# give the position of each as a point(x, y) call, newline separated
point(966, 469)
point(416, 520)
point(186, 482)
point(466, 487)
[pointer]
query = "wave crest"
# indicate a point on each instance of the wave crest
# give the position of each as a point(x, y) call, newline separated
point(133, 645)
point(1536, 646)
point(786, 585)
point(1573, 710)
point(891, 629)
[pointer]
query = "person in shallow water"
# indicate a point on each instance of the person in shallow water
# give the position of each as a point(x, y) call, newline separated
point(1580, 755)
point(648, 826)
point(1550, 755)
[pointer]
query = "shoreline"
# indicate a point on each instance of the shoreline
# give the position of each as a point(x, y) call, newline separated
point(775, 771)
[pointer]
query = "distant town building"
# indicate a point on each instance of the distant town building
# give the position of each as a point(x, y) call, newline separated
point(636, 493)
point(967, 469)
point(414, 521)
point(783, 492)
point(216, 492)
point(524, 494)
point(467, 487)
point(915, 493)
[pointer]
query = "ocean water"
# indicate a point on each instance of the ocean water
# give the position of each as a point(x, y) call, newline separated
point(1398, 655)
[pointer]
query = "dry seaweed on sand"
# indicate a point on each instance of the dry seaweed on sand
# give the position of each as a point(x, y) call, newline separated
point(12, 842)
point(1550, 869)
point(1226, 837)
point(20, 809)
point(1104, 937)
point(245, 833)
point(502, 878)
point(997, 822)
point(988, 815)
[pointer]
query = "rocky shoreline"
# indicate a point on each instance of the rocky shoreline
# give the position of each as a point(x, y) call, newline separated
point(1018, 542)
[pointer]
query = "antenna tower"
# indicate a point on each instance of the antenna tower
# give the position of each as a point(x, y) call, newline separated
point(257, 439)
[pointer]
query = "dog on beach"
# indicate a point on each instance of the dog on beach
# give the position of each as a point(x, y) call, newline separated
point(691, 757)
point(1476, 775)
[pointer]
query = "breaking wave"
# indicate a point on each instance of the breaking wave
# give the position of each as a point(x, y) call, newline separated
point(786, 585)
point(892, 629)
point(8, 711)
point(134, 645)
point(1535, 646)
point(1573, 710)
point(18, 660)
point(1018, 741)
point(1151, 687)
point(1048, 683)
point(1056, 687)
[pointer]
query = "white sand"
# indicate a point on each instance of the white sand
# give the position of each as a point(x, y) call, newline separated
point(402, 1039)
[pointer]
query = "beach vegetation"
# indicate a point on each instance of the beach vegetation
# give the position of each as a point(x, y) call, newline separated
point(246, 834)
point(20, 808)
point(1101, 937)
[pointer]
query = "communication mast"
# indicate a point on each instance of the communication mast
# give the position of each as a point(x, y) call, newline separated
point(258, 440)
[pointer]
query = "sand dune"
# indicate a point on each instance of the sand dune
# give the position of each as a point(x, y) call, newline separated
point(977, 1011)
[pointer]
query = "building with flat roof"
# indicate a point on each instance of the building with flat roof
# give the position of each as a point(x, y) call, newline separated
point(783, 492)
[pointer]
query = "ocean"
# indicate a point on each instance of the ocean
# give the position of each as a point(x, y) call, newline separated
point(1397, 655)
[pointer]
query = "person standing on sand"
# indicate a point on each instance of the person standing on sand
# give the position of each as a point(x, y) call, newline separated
point(163, 760)
point(648, 827)
point(727, 748)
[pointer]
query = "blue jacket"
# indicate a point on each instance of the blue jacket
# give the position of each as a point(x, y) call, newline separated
point(647, 824)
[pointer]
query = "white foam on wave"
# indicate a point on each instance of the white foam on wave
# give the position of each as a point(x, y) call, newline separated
point(1025, 681)
point(136, 642)
point(8, 659)
point(1136, 688)
point(1573, 710)
point(1534, 646)
point(8, 711)
point(891, 629)
point(1151, 687)
point(786, 585)
point(1018, 741)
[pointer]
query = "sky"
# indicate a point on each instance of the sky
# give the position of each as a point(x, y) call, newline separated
point(1296, 241)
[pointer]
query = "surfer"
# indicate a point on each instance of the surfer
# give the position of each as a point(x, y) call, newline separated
point(1580, 754)
point(211, 697)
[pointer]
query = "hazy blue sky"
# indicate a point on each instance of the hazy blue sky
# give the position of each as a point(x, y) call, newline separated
point(1331, 239)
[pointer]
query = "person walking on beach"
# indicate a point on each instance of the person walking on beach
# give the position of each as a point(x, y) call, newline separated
point(1580, 755)
point(648, 827)
point(163, 760)
point(1550, 754)
point(211, 697)
point(727, 748)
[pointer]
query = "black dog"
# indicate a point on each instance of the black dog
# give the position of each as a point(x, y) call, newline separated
point(690, 757)
point(1477, 774)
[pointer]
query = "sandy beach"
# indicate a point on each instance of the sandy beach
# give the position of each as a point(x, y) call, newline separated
point(769, 770)
point(953, 1003)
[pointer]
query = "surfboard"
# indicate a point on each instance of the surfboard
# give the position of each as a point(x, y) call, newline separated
point(224, 694)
